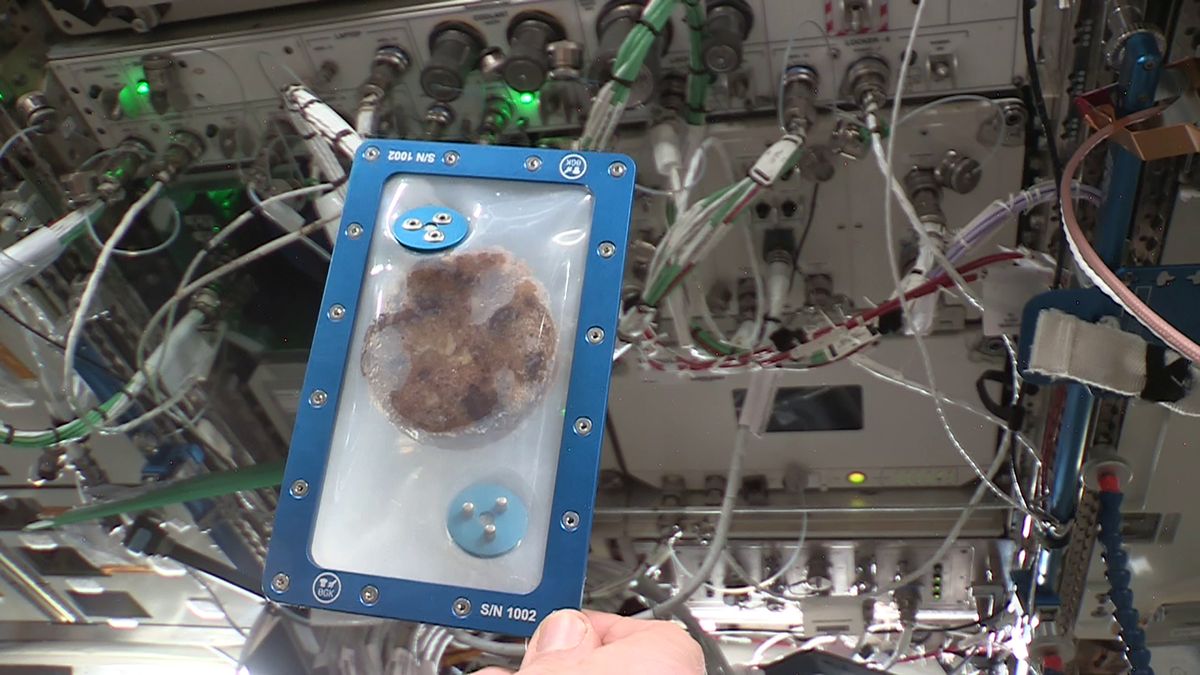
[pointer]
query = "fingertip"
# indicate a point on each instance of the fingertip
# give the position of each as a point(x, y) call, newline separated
point(492, 670)
point(566, 630)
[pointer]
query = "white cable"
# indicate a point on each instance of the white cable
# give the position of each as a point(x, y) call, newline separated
point(955, 530)
point(893, 266)
point(92, 287)
point(15, 138)
point(893, 261)
point(902, 646)
point(176, 228)
point(749, 342)
point(323, 119)
point(716, 546)
point(234, 225)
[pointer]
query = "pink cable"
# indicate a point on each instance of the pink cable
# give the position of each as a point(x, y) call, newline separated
point(1096, 269)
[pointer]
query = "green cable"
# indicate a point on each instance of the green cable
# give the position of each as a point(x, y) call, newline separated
point(713, 344)
point(187, 490)
point(637, 44)
point(664, 281)
point(698, 77)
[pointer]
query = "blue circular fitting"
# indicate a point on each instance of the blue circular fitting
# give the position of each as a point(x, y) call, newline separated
point(487, 520)
point(430, 228)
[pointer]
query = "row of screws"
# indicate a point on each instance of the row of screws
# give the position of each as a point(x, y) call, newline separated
point(281, 582)
point(532, 163)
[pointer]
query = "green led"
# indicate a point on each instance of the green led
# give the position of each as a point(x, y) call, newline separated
point(856, 477)
point(525, 98)
point(226, 201)
point(142, 88)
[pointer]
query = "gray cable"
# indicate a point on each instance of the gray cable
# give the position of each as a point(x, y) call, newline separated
point(733, 482)
point(487, 646)
point(715, 662)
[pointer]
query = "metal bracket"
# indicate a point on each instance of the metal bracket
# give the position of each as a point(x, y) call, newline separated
point(1170, 290)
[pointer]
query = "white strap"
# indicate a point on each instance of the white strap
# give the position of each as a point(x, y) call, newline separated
point(1096, 354)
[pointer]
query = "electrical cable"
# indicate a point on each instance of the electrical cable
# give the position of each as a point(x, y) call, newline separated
point(783, 66)
point(1095, 268)
point(902, 647)
point(228, 268)
point(716, 546)
point(891, 187)
point(176, 227)
point(217, 601)
point(234, 226)
point(715, 661)
point(1043, 114)
point(955, 530)
point(92, 287)
point(510, 649)
point(15, 138)
point(307, 242)
point(55, 343)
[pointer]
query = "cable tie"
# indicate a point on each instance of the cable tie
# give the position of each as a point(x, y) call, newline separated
point(650, 27)
point(100, 411)
point(692, 70)
point(628, 84)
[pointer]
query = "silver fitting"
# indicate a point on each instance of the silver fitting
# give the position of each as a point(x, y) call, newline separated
point(958, 172)
point(37, 113)
point(131, 154)
point(389, 64)
point(800, 86)
point(867, 82)
point(925, 191)
point(185, 147)
point(1125, 21)
point(566, 60)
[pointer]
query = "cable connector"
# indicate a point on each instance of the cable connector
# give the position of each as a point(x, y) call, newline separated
point(777, 159)
point(185, 148)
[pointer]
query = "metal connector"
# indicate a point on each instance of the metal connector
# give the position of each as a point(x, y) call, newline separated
point(185, 147)
point(867, 81)
point(800, 86)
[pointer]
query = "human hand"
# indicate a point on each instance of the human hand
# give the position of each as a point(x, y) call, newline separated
point(593, 643)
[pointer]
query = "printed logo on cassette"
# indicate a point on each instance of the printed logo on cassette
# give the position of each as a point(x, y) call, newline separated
point(327, 587)
point(573, 167)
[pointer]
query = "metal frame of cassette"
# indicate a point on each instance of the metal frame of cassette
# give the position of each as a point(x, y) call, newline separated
point(444, 460)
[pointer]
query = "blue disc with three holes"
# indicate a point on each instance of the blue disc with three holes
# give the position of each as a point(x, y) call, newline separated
point(430, 228)
point(487, 520)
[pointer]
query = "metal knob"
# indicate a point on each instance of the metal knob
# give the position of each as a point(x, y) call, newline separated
point(566, 60)
point(614, 24)
point(959, 172)
point(726, 27)
point(528, 61)
point(454, 50)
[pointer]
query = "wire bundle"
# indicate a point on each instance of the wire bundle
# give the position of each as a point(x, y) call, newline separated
point(698, 76)
point(614, 95)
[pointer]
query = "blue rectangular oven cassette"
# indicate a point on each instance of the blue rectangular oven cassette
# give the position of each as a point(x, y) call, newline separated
point(444, 460)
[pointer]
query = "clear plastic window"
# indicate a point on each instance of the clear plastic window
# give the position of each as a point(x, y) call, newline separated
point(443, 457)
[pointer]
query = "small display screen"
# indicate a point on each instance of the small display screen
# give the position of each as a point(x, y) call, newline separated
point(829, 408)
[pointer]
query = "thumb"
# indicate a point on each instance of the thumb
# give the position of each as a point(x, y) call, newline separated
point(564, 637)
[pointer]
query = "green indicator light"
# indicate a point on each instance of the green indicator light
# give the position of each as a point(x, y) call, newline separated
point(856, 477)
point(142, 88)
point(525, 98)
point(226, 201)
